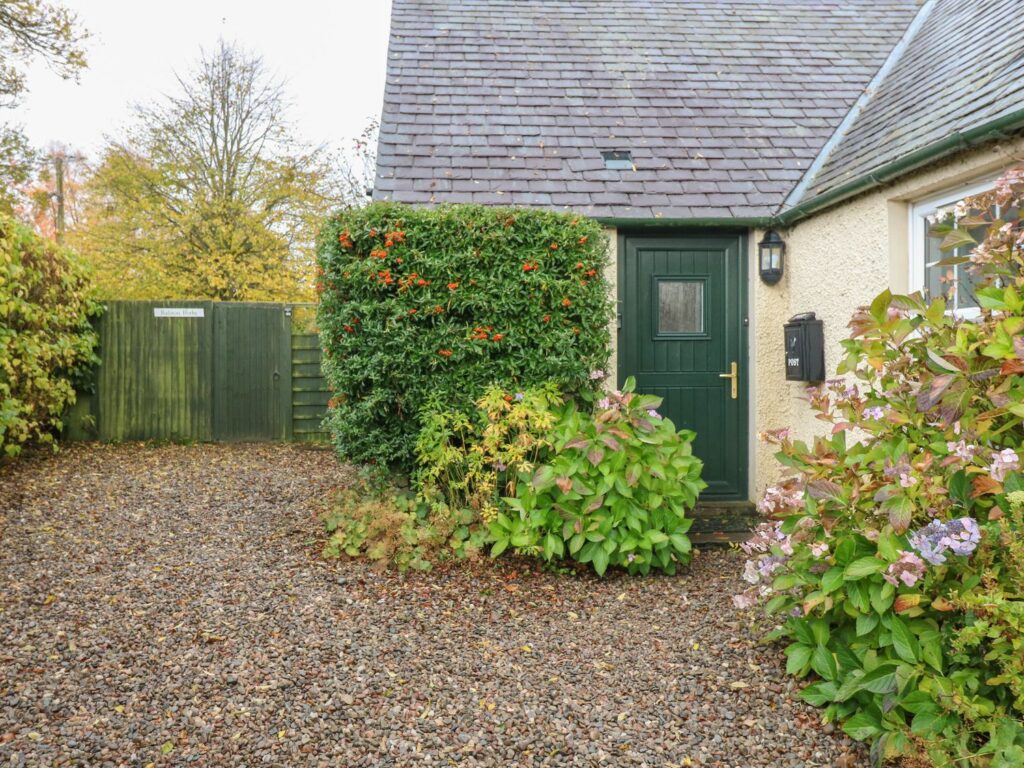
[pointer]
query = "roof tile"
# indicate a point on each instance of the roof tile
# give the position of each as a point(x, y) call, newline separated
point(512, 101)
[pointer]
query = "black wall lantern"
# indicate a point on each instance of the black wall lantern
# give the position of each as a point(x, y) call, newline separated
point(772, 255)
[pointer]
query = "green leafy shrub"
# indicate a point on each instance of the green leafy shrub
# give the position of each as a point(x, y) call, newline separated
point(46, 339)
point(470, 462)
point(422, 306)
point(895, 559)
point(614, 491)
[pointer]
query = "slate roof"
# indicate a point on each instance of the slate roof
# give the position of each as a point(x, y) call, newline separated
point(962, 68)
point(723, 103)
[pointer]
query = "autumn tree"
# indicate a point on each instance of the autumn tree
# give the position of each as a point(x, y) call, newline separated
point(209, 194)
point(30, 30)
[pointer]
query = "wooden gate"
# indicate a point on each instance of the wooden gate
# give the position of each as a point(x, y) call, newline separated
point(202, 370)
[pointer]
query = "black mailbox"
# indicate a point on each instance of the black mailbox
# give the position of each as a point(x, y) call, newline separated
point(805, 348)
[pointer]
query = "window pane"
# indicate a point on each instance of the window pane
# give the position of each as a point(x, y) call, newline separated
point(934, 286)
point(680, 306)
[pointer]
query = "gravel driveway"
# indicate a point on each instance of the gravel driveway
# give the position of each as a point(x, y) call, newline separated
point(165, 606)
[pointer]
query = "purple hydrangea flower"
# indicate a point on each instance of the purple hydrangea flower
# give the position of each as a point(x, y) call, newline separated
point(653, 414)
point(604, 403)
point(597, 375)
point(961, 537)
point(520, 395)
point(928, 541)
point(875, 413)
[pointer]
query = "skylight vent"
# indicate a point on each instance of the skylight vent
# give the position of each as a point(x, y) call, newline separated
point(618, 160)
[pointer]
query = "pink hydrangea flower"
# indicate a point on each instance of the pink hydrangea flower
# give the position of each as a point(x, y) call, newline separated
point(908, 569)
point(1003, 463)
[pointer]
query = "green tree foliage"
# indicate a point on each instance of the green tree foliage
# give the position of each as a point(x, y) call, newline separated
point(30, 30)
point(895, 559)
point(209, 195)
point(426, 308)
point(18, 164)
point(46, 339)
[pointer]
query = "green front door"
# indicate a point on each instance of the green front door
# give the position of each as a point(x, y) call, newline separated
point(682, 333)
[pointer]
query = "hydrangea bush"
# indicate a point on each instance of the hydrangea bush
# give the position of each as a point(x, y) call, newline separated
point(605, 484)
point(425, 306)
point(894, 553)
point(614, 490)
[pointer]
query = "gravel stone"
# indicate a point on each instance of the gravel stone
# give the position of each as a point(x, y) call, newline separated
point(166, 605)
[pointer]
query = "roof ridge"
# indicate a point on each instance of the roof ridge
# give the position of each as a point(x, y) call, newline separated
point(795, 196)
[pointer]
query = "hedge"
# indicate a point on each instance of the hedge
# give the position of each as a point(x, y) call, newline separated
point(424, 308)
point(46, 339)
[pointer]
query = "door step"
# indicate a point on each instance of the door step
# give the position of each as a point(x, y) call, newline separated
point(723, 522)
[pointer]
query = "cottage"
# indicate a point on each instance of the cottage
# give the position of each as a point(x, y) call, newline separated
point(695, 131)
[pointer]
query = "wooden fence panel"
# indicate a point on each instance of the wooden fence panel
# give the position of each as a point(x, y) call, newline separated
point(155, 382)
point(309, 389)
point(199, 370)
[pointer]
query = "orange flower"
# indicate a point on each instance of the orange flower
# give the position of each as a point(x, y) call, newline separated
point(547, 318)
point(574, 222)
point(579, 265)
point(566, 302)
point(444, 352)
point(413, 311)
point(452, 286)
point(528, 266)
point(379, 253)
point(421, 281)
point(345, 239)
point(507, 398)
point(349, 329)
point(498, 337)
point(582, 240)
point(438, 309)
point(373, 232)
point(388, 243)
point(553, 246)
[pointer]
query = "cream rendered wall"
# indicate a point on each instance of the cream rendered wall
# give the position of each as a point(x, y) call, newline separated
point(611, 275)
point(836, 261)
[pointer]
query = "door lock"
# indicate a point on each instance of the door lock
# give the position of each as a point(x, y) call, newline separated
point(734, 375)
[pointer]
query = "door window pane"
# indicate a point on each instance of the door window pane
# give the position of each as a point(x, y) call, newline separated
point(680, 306)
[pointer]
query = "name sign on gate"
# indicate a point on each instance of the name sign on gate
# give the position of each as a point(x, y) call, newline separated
point(179, 312)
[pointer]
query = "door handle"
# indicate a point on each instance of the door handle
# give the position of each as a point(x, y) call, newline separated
point(734, 375)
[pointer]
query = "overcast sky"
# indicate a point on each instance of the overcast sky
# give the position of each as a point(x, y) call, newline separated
point(331, 53)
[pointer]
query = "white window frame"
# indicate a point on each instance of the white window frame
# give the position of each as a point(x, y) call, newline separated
point(920, 210)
